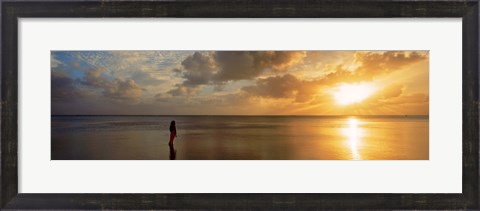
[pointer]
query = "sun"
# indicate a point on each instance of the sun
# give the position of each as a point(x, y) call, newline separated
point(346, 94)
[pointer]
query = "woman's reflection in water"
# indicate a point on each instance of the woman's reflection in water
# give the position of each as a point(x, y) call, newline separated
point(172, 152)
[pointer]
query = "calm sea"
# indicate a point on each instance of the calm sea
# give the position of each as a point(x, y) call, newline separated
point(240, 138)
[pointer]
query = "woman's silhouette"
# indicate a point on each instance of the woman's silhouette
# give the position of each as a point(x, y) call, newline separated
point(173, 153)
point(173, 132)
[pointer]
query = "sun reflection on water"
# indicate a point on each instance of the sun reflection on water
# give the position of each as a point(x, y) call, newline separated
point(353, 132)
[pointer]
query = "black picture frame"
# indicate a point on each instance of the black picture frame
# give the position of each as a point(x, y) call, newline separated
point(468, 10)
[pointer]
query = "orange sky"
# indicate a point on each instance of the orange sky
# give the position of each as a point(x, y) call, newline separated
point(240, 82)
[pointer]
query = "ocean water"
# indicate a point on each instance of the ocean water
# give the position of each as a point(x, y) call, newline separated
point(240, 138)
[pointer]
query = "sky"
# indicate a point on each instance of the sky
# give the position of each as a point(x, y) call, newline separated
point(240, 82)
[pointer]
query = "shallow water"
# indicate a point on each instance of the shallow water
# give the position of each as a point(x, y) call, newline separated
point(240, 138)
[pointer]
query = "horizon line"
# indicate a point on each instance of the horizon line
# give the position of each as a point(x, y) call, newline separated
point(230, 115)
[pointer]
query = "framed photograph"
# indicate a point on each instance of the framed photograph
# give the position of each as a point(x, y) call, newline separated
point(239, 105)
point(230, 105)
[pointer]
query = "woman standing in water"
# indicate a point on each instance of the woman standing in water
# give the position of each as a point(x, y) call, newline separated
point(173, 132)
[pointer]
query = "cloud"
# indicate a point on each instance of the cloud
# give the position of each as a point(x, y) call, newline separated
point(181, 90)
point(199, 69)
point(260, 82)
point(313, 92)
point(115, 89)
point(64, 88)
point(146, 78)
point(371, 64)
point(220, 67)
point(275, 87)
point(286, 86)
point(338, 74)
point(278, 59)
point(123, 90)
point(244, 65)
point(93, 77)
point(391, 91)
point(235, 65)
point(408, 99)
point(147, 68)
point(54, 62)
point(394, 95)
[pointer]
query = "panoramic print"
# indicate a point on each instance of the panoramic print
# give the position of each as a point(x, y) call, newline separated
point(239, 105)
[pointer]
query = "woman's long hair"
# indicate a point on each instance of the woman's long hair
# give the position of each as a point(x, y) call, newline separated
point(172, 126)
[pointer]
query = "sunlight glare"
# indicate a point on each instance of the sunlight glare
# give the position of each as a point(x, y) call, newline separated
point(353, 134)
point(353, 123)
point(352, 93)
